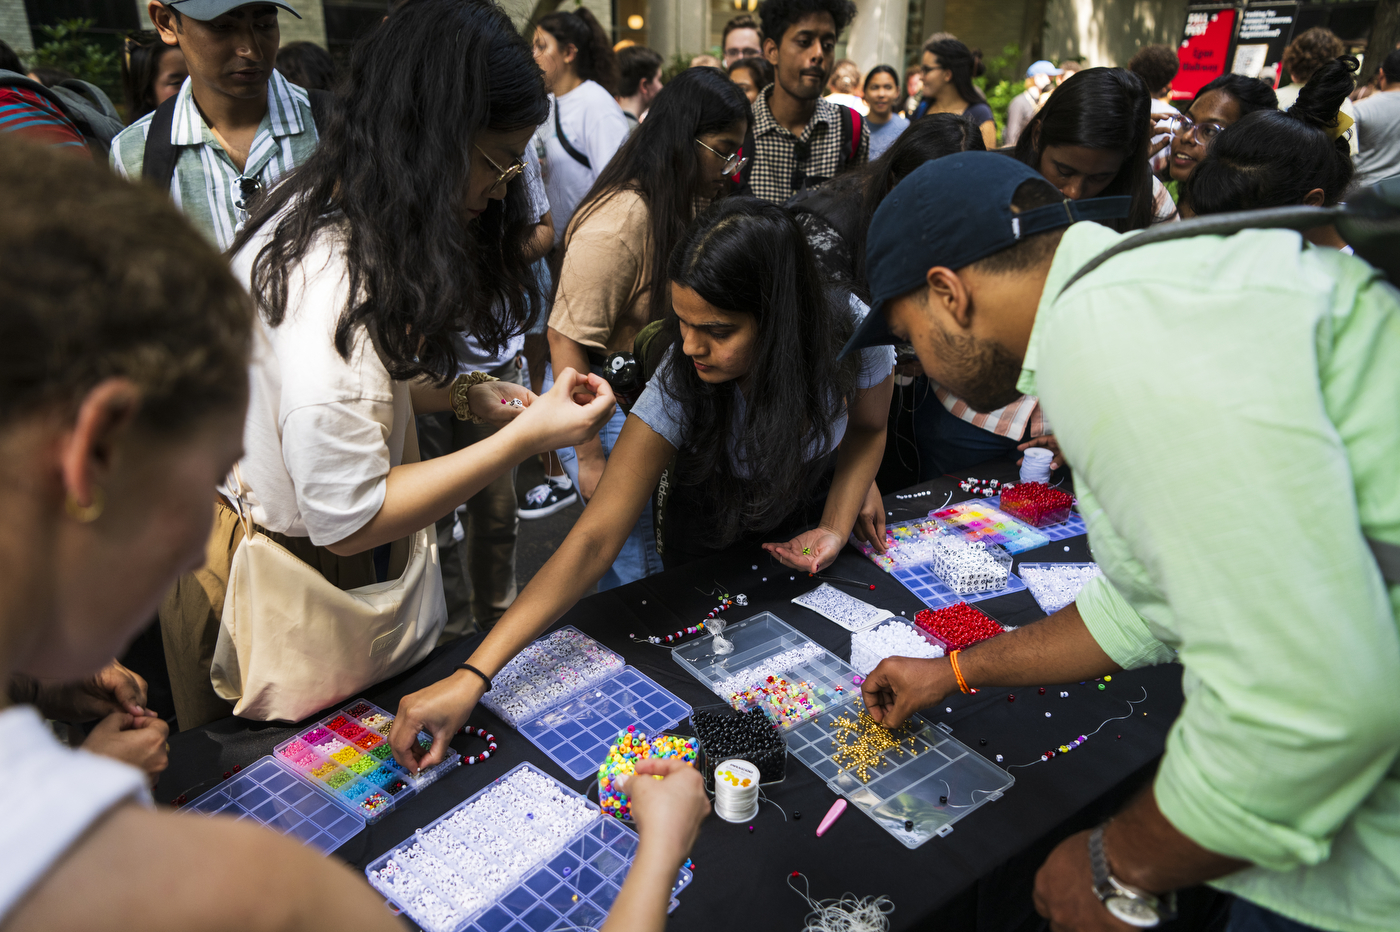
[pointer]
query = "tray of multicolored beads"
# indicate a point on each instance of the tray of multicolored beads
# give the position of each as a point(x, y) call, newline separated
point(907, 543)
point(553, 669)
point(346, 755)
point(979, 519)
point(773, 667)
point(915, 781)
point(525, 853)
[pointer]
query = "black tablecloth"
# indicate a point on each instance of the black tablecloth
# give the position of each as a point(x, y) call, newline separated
point(978, 877)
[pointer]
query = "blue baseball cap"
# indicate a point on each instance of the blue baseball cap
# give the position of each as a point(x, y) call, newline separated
point(1042, 67)
point(952, 212)
point(205, 10)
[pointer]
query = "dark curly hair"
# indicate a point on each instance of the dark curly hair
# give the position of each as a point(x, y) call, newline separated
point(1310, 50)
point(779, 15)
point(1157, 65)
point(581, 29)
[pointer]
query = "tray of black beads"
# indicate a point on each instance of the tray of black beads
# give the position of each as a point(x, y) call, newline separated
point(723, 734)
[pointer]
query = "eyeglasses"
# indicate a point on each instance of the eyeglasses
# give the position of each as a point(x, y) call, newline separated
point(1182, 125)
point(244, 191)
point(507, 174)
point(732, 163)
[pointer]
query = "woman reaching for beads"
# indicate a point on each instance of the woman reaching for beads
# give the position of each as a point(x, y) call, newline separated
point(770, 431)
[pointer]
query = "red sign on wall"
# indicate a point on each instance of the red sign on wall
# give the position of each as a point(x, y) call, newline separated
point(1204, 51)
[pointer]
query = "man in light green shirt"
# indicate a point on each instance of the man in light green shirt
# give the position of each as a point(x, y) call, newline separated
point(1231, 409)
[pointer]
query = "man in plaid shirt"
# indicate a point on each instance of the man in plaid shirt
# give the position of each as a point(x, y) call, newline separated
point(797, 139)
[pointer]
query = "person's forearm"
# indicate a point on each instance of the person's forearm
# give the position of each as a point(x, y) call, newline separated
point(1058, 649)
point(646, 893)
point(565, 352)
point(418, 494)
point(856, 465)
point(1146, 851)
point(542, 240)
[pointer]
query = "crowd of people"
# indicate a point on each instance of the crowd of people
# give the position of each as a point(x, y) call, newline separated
point(276, 304)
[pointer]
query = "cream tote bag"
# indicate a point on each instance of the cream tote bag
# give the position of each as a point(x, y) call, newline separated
point(291, 644)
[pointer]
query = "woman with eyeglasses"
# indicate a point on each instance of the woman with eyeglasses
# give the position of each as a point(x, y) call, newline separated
point(395, 235)
point(612, 283)
point(1221, 103)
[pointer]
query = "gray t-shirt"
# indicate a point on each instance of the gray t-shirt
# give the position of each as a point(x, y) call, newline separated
point(663, 414)
point(1378, 138)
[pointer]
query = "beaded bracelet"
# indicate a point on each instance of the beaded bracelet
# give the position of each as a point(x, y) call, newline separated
point(480, 733)
point(957, 672)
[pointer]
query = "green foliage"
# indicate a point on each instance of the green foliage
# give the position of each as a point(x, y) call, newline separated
point(71, 46)
point(678, 63)
point(1002, 83)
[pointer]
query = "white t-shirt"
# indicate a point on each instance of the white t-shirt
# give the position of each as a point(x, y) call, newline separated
point(1378, 129)
point(57, 795)
point(596, 128)
point(322, 431)
point(663, 414)
point(470, 355)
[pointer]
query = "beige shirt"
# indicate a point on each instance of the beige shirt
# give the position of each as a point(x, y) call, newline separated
point(604, 291)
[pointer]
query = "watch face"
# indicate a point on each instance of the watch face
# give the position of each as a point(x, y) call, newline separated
point(1133, 912)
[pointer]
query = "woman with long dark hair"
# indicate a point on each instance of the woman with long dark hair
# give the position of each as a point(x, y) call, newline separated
point(396, 234)
point(948, 69)
point(1092, 139)
point(614, 278)
point(152, 72)
point(1273, 158)
point(771, 433)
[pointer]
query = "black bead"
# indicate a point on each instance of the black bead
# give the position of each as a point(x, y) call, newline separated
point(943, 800)
point(982, 741)
point(909, 825)
point(796, 816)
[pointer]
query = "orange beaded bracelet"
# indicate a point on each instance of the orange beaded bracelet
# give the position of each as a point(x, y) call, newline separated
point(957, 672)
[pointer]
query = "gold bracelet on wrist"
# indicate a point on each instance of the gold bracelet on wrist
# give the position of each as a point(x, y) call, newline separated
point(460, 386)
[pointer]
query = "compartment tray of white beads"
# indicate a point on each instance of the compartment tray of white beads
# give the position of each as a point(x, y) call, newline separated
point(526, 848)
point(895, 638)
point(549, 671)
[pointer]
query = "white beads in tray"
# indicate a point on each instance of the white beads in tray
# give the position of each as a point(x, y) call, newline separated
point(1055, 585)
point(547, 672)
point(776, 665)
point(841, 607)
point(892, 639)
point(970, 566)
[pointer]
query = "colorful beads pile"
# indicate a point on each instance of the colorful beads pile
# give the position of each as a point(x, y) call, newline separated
point(958, 626)
point(907, 544)
point(970, 566)
point(747, 735)
point(772, 666)
point(786, 703)
point(629, 747)
point(480, 733)
point(863, 744)
point(1036, 503)
point(892, 639)
point(547, 672)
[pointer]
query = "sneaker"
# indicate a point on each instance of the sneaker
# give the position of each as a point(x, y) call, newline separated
point(544, 500)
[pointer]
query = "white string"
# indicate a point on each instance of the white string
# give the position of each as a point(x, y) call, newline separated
point(848, 914)
point(1132, 703)
point(763, 798)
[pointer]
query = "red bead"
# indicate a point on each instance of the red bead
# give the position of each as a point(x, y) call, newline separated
point(1042, 690)
point(227, 774)
point(1036, 503)
point(181, 799)
point(794, 874)
point(872, 585)
point(237, 767)
point(1010, 697)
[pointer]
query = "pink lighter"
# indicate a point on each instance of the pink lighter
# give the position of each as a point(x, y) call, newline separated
point(831, 816)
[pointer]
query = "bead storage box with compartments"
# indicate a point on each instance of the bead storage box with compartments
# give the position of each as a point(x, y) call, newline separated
point(919, 549)
point(1036, 504)
point(894, 638)
point(907, 543)
point(525, 853)
point(570, 696)
point(979, 519)
point(773, 667)
point(325, 784)
point(1055, 585)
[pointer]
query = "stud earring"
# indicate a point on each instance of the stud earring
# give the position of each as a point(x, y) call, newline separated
point(86, 514)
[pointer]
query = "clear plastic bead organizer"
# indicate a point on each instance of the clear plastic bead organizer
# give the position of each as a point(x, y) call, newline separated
point(916, 789)
point(525, 853)
point(766, 650)
point(268, 794)
point(1055, 585)
point(1072, 526)
point(577, 734)
point(553, 669)
point(346, 756)
point(933, 592)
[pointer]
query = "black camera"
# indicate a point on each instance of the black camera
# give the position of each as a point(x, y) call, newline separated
point(624, 374)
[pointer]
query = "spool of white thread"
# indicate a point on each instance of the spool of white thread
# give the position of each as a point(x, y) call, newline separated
point(736, 790)
point(1035, 465)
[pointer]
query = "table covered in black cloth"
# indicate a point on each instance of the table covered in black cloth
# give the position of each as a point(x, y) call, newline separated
point(978, 877)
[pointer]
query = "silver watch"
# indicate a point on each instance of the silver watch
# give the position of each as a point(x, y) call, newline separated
point(1129, 904)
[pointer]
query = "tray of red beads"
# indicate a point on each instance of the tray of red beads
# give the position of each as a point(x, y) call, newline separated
point(958, 626)
point(1036, 504)
point(771, 666)
point(346, 756)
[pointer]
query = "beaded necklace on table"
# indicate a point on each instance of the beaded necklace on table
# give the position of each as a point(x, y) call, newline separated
point(726, 602)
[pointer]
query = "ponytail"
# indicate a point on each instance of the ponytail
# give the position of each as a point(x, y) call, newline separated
point(1320, 101)
point(595, 60)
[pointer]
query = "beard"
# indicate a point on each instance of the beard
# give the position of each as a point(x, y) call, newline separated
point(983, 373)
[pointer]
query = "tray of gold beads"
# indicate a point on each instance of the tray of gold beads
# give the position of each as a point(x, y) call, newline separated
point(915, 780)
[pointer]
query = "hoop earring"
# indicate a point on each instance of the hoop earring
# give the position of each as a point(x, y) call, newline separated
point(86, 514)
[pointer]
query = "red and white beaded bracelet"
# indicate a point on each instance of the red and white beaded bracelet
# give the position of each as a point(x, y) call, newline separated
point(480, 733)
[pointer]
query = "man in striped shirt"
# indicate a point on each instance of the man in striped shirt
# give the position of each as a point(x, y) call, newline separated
point(238, 126)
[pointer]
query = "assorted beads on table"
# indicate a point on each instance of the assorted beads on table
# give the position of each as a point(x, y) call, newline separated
point(970, 566)
point(747, 735)
point(1055, 585)
point(670, 638)
point(909, 543)
point(841, 607)
point(1064, 748)
point(629, 747)
point(1036, 503)
point(548, 671)
point(490, 740)
point(775, 665)
point(958, 626)
point(863, 745)
point(891, 639)
point(477, 852)
point(981, 486)
point(786, 703)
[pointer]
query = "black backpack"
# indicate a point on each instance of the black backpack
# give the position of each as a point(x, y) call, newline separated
point(158, 161)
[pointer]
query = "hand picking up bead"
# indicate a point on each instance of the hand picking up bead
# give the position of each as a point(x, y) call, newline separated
point(629, 747)
point(891, 639)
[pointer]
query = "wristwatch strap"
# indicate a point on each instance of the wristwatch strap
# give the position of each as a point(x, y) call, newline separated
point(1107, 886)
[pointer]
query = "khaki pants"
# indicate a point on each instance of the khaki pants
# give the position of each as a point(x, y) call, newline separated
point(191, 613)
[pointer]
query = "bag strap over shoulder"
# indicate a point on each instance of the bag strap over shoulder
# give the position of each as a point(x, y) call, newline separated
point(158, 163)
point(574, 154)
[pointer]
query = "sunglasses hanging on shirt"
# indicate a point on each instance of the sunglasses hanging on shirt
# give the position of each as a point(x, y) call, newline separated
point(245, 191)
